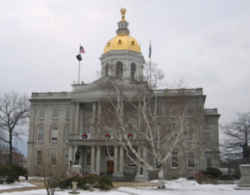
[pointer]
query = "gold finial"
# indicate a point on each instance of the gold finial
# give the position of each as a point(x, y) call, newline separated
point(123, 12)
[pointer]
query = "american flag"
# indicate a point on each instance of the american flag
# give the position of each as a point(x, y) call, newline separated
point(82, 49)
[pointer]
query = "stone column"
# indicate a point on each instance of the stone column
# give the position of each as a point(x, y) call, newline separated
point(81, 160)
point(138, 163)
point(244, 183)
point(144, 153)
point(70, 156)
point(121, 160)
point(99, 113)
point(92, 159)
point(98, 154)
point(74, 149)
point(140, 175)
point(116, 160)
point(77, 118)
point(93, 112)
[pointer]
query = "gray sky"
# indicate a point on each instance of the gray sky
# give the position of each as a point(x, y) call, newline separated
point(204, 43)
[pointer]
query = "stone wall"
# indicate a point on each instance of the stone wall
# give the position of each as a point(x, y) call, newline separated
point(48, 116)
point(72, 117)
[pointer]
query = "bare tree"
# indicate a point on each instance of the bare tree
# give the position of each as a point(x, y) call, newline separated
point(14, 110)
point(236, 144)
point(153, 74)
point(132, 114)
point(52, 173)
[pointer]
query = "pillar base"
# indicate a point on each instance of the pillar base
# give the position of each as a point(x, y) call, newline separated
point(118, 174)
point(244, 182)
point(141, 178)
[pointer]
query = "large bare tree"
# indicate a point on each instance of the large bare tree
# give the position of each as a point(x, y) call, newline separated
point(237, 139)
point(131, 112)
point(14, 109)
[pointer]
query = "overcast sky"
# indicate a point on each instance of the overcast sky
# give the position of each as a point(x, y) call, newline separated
point(204, 43)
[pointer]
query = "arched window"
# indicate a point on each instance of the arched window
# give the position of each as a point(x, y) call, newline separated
point(119, 69)
point(132, 71)
point(106, 69)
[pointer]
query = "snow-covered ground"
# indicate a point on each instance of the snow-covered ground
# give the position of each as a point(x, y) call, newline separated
point(175, 187)
point(15, 185)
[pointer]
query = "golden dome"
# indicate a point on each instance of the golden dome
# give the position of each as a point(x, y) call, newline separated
point(122, 42)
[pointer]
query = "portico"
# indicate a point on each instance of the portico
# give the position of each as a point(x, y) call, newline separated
point(98, 159)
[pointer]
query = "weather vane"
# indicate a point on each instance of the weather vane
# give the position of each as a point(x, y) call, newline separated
point(123, 12)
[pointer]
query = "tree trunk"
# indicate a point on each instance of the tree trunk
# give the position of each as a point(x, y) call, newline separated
point(10, 148)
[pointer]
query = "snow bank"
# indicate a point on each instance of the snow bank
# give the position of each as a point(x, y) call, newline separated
point(15, 185)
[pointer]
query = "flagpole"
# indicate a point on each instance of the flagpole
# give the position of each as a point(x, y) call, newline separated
point(150, 68)
point(150, 72)
point(79, 69)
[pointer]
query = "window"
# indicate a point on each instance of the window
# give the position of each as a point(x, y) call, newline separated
point(54, 135)
point(209, 162)
point(191, 162)
point(132, 71)
point(190, 134)
point(39, 157)
point(53, 157)
point(174, 162)
point(40, 135)
point(41, 113)
point(107, 70)
point(67, 113)
point(66, 132)
point(119, 69)
point(55, 113)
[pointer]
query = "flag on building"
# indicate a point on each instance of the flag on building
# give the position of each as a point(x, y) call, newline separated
point(150, 50)
point(82, 49)
point(79, 57)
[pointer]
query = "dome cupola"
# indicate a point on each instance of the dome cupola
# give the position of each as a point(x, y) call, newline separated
point(122, 56)
point(122, 41)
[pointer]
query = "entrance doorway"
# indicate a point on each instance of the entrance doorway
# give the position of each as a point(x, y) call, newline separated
point(110, 167)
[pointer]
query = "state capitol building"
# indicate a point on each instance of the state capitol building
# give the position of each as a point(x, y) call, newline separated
point(77, 128)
